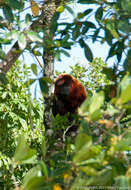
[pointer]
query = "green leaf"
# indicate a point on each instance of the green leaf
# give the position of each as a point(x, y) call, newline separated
point(3, 79)
point(124, 25)
point(34, 36)
point(127, 62)
point(90, 171)
point(70, 10)
point(108, 37)
point(34, 180)
point(44, 168)
point(54, 24)
point(37, 53)
point(47, 79)
point(13, 34)
point(79, 183)
point(23, 153)
point(96, 102)
point(66, 38)
point(112, 50)
point(85, 29)
point(120, 50)
point(30, 82)
point(23, 123)
point(86, 152)
point(67, 45)
point(122, 182)
point(102, 178)
point(109, 73)
point(88, 53)
point(81, 140)
point(95, 35)
point(96, 115)
point(126, 5)
point(84, 108)
point(99, 14)
point(82, 43)
point(65, 53)
point(2, 54)
point(58, 56)
point(111, 110)
point(34, 68)
point(89, 24)
point(88, 11)
point(4, 95)
point(28, 20)
point(124, 90)
point(43, 146)
point(22, 41)
point(8, 13)
point(123, 145)
point(87, 1)
point(14, 4)
point(85, 13)
point(76, 31)
point(90, 162)
point(4, 41)
point(111, 26)
point(83, 143)
point(44, 87)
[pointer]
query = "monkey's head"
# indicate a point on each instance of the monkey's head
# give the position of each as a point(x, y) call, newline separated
point(63, 85)
point(69, 94)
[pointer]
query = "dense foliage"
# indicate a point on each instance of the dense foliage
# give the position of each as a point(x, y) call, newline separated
point(19, 115)
point(100, 155)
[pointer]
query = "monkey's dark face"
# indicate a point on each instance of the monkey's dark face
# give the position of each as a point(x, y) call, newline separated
point(63, 88)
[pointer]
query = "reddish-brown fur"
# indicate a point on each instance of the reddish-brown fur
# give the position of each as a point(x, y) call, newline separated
point(69, 95)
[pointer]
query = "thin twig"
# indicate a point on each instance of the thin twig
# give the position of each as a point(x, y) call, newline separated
point(14, 179)
point(118, 121)
point(125, 132)
point(101, 128)
point(38, 61)
point(73, 123)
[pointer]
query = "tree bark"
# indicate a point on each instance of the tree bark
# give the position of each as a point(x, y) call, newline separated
point(49, 9)
point(11, 56)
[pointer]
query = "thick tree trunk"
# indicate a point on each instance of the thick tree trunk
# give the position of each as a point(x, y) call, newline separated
point(49, 9)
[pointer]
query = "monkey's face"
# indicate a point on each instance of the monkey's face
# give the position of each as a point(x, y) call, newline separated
point(63, 88)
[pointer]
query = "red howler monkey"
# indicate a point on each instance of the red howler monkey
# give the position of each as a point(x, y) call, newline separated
point(69, 94)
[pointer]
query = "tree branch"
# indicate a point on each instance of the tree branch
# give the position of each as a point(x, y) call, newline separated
point(15, 51)
point(11, 57)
